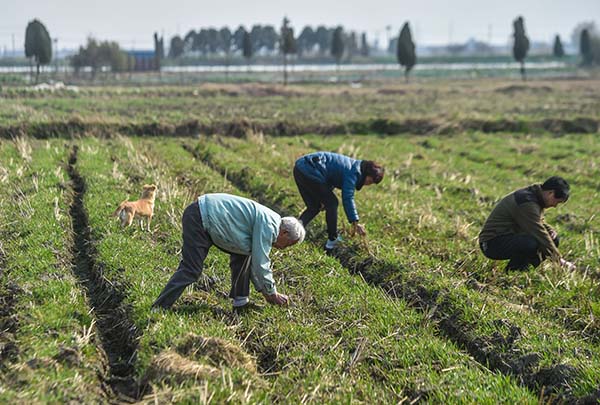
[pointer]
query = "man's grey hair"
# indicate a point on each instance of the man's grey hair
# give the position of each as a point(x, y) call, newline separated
point(294, 228)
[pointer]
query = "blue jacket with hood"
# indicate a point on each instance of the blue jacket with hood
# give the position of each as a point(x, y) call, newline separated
point(335, 170)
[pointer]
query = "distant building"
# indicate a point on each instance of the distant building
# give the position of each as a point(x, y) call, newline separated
point(144, 61)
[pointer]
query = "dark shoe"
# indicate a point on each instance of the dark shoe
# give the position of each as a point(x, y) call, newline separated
point(251, 306)
point(157, 308)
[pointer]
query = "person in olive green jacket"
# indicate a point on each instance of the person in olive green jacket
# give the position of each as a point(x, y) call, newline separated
point(515, 230)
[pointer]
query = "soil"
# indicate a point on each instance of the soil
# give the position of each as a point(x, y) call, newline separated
point(118, 333)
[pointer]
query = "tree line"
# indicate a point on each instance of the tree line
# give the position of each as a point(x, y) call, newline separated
point(265, 39)
point(96, 55)
point(334, 42)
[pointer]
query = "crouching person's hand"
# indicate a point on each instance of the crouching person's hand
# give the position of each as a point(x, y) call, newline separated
point(276, 299)
point(358, 229)
point(567, 264)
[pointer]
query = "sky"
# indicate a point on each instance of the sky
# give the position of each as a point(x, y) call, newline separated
point(433, 22)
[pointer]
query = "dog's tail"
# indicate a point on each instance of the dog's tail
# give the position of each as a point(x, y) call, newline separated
point(120, 208)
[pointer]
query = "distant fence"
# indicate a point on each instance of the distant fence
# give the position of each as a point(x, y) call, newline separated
point(312, 68)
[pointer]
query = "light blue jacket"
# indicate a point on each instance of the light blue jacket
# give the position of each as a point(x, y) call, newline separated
point(335, 170)
point(239, 225)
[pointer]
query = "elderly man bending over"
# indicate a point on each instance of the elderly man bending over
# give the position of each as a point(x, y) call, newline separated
point(244, 229)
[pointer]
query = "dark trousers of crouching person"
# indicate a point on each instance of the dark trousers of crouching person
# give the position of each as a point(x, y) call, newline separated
point(196, 243)
point(521, 250)
point(316, 195)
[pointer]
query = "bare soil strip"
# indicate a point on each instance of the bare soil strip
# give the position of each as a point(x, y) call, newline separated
point(118, 333)
point(9, 293)
point(498, 353)
point(242, 127)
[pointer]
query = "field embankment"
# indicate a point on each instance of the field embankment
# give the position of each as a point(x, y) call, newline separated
point(440, 107)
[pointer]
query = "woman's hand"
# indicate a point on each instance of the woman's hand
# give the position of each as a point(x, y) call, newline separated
point(358, 228)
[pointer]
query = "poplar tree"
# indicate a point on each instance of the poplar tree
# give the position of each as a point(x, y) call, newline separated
point(177, 47)
point(287, 45)
point(159, 50)
point(585, 47)
point(306, 40)
point(38, 45)
point(226, 41)
point(238, 38)
point(247, 49)
point(405, 51)
point(364, 45)
point(558, 49)
point(323, 38)
point(337, 45)
point(521, 44)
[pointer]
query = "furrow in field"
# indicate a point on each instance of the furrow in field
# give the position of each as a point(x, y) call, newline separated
point(118, 333)
point(9, 294)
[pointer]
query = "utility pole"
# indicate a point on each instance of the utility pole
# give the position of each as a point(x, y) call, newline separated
point(56, 57)
point(388, 29)
point(490, 37)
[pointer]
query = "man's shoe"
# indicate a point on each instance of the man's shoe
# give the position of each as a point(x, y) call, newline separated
point(332, 244)
point(251, 306)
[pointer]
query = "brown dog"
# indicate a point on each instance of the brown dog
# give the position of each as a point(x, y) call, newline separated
point(142, 208)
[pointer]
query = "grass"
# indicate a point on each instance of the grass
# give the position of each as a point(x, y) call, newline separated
point(416, 239)
point(413, 313)
point(53, 355)
point(323, 348)
point(441, 102)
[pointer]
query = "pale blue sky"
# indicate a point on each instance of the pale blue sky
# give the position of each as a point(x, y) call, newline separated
point(132, 22)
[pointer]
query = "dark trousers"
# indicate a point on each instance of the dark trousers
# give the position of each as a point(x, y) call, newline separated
point(521, 250)
point(196, 243)
point(314, 195)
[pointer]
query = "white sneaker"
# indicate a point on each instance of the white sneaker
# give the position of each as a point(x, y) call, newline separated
point(332, 244)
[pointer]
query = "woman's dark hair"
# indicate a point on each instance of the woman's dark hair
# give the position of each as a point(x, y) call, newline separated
point(370, 168)
point(559, 186)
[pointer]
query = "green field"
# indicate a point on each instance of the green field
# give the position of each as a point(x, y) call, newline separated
point(413, 313)
point(389, 107)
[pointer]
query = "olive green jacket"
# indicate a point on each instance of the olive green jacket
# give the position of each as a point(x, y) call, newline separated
point(521, 212)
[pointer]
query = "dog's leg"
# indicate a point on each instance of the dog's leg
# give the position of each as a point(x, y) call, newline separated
point(129, 220)
point(149, 219)
point(124, 219)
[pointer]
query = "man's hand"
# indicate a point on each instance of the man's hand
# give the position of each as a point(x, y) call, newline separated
point(358, 228)
point(276, 299)
point(567, 264)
